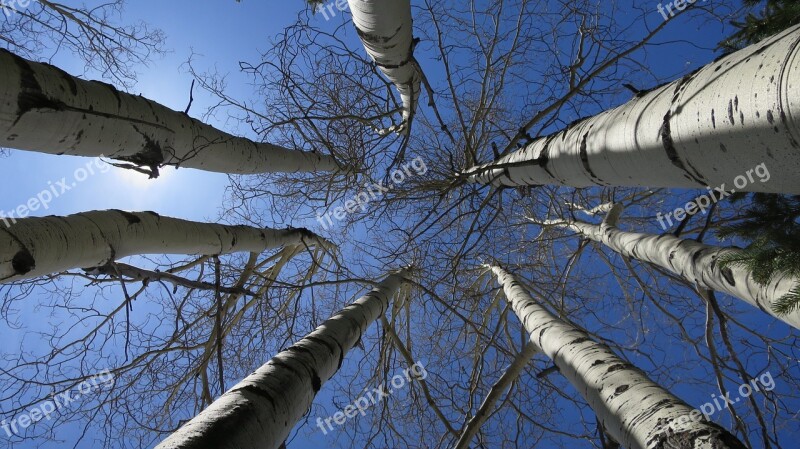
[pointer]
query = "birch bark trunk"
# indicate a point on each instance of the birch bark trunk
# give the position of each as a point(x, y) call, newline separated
point(634, 410)
point(706, 129)
point(696, 262)
point(32, 247)
point(260, 411)
point(44, 109)
point(496, 392)
point(385, 29)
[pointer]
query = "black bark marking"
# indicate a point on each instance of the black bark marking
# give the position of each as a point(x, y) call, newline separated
point(322, 342)
point(260, 392)
point(31, 95)
point(69, 79)
point(132, 218)
point(544, 157)
point(785, 124)
point(330, 347)
point(728, 275)
point(114, 92)
point(579, 340)
point(382, 42)
point(375, 39)
point(672, 152)
point(730, 112)
point(151, 155)
point(770, 117)
point(341, 354)
point(696, 256)
point(617, 367)
point(585, 158)
point(723, 148)
point(621, 389)
point(718, 438)
point(316, 382)
point(287, 366)
point(23, 262)
point(713, 119)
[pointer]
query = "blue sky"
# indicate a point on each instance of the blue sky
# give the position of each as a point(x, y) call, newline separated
point(221, 33)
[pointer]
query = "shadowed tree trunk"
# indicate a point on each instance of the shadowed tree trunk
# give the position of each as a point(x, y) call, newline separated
point(44, 109)
point(32, 247)
point(261, 410)
point(706, 129)
point(634, 410)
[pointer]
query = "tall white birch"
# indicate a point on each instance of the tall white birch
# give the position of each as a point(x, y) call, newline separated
point(696, 262)
point(386, 30)
point(634, 410)
point(32, 247)
point(44, 109)
point(473, 426)
point(705, 129)
point(260, 411)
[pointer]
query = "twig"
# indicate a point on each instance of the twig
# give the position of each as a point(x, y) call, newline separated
point(218, 323)
point(708, 223)
point(191, 98)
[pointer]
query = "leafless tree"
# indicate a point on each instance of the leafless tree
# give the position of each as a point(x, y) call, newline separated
point(490, 66)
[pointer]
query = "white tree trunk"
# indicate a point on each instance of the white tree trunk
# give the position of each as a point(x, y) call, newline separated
point(705, 129)
point(32, 247)
point(634, 410)
point(385, 29)
point(693, 261)
point(44, 109)
point(260, 411)
point(495, 393)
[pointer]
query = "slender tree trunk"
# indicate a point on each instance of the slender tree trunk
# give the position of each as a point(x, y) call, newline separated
point(261, 410)
point(498, 389)
point(601, 209)
point(32, 247)
point(706, 129)
point(634, 410)
point(696, 262)
point(385, 29)
point(44, 109)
